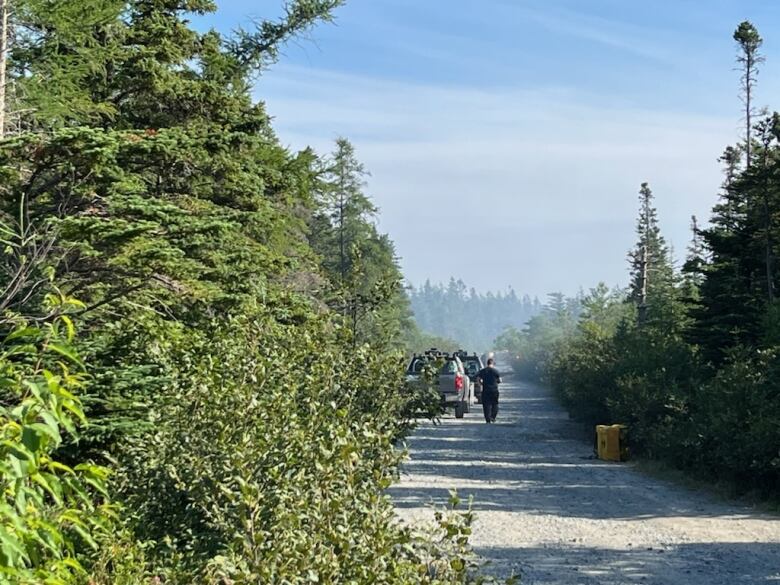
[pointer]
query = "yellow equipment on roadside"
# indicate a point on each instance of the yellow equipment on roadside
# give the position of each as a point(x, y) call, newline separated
point(611, 444)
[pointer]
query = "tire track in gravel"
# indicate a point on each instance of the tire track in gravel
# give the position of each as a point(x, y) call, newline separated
point(547, 510)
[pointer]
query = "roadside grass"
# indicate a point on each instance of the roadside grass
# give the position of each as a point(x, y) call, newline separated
point(721, 489)
point(724, 490)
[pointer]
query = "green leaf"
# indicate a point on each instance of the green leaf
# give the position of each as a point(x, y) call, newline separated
point(51, 484)
point(12, 549)
point(67, 352)
point(31, 438)
point(70, 328)
point(57, 466)
point(22, 333)
point(48, 430)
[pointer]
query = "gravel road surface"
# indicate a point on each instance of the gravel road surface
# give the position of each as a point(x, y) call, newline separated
point(547, 511)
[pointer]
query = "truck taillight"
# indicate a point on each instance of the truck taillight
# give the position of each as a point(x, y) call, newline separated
point(459, 382)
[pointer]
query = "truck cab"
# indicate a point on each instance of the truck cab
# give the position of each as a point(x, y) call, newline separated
point(453, 383)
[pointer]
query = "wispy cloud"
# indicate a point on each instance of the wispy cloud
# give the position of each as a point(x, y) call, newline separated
point(531, 122)
point(641, 41)
point(536, 185)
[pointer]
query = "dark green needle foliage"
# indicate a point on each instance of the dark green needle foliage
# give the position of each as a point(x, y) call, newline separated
point(239, 315)
point(689, 358)
point(361, 265)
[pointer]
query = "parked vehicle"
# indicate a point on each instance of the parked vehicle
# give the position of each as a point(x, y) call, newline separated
point(472, 364)
point(454, 385)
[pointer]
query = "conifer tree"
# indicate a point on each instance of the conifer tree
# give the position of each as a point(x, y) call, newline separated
point(61, 54)
point(651, 270)
point(749, 58)
point(359, 262)
point(739, 281)
point(725, 315)
point(350, 211)
point(165, 185)
point(694, 263)
point(761, 177)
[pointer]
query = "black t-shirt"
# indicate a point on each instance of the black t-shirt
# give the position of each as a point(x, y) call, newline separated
point(490, 378)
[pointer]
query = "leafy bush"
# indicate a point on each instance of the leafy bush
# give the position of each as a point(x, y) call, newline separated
point(251, 431)
point(269, 463)
point(635, 376)
point(52, 516)
point(736, 432)
point(583, 373)
point(717, 423)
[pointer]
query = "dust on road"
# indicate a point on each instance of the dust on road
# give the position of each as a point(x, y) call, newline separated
point(548, 511)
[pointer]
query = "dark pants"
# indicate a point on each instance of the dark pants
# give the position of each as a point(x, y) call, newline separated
point(490, 404)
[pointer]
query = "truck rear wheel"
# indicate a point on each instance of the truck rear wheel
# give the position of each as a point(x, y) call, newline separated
point(460, 409)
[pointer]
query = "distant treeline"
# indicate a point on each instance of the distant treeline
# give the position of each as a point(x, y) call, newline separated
point(472, 319)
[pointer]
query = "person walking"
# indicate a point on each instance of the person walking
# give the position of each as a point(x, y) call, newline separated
point(490, 378)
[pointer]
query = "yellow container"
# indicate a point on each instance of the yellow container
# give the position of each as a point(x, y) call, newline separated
point(611, 442)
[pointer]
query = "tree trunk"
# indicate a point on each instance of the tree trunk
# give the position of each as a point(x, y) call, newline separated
point(770, 285)
point(643, 290)
point(770, 278)
point(645, 262)
point(5, 8)
point(342, 240)
point(748, 110)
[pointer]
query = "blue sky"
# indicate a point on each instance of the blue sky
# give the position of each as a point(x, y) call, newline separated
point(513, 135)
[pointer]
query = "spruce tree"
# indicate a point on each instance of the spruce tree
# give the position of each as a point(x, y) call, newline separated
point(739, 282)
point(726, 314)
point(348, 208)
point(694, 264)
point(62, 53)
point(173, 202)
point(651, 271)
point(360, 264)
point(749, 58)
point(762, 181)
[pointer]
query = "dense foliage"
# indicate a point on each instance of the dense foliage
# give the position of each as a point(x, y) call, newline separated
point(688, 358)
point(239, 316)
point(533, 344)
point(49, 511)
point(474, 319)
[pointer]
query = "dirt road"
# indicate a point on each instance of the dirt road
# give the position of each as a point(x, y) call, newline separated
point(549, 512)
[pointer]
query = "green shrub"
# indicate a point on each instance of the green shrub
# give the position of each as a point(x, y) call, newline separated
point(737, 422)
point(582, 372)
point(269, 459)
point(721, 424)
point(52, 516)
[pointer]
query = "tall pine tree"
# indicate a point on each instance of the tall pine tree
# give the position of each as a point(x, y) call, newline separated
point(748, 58)
point(652, 275)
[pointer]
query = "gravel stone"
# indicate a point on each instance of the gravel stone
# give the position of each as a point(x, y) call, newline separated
point(547, 510)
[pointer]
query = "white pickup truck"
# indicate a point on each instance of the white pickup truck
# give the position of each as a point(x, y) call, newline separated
point(472, 364)
point(454, 385)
